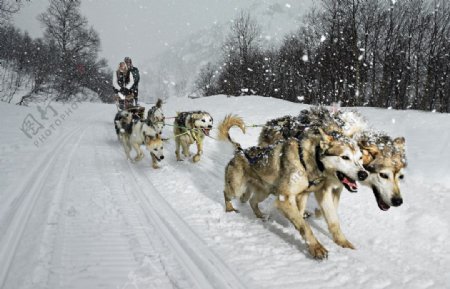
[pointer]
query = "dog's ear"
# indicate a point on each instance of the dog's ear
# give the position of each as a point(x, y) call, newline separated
point(325, 136)
point(368, 149)
point(399, 144)
point(367, 156)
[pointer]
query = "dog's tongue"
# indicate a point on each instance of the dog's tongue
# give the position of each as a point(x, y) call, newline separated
point(206, 131)
point(349, 183)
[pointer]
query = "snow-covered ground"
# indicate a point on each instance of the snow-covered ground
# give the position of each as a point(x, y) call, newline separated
point(75, 214)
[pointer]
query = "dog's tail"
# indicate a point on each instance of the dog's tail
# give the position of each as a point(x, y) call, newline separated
point(224, 128)
point(159, 103)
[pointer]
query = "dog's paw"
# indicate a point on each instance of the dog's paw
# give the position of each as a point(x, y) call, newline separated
point(156, 167)
point(261, 216)
point(138, 158)
point(345, 244)
point(318, 251)
point(229, 207)
point(196, 158)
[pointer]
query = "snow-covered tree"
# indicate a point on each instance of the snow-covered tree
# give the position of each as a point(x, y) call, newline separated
point(77, 44)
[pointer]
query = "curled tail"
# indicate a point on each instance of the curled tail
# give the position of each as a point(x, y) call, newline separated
point(224, 128)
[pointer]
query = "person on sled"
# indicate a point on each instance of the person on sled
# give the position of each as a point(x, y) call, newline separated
point(135, 72)
point(122, 82)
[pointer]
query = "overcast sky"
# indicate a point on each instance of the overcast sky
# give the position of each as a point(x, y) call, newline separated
point(139, 28)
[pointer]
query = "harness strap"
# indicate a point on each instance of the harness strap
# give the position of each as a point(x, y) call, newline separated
point(320, 165)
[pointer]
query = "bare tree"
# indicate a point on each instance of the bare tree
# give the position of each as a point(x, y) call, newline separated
point(240, 48)
point(76, 42)
point(206, 80)
point(8, 8)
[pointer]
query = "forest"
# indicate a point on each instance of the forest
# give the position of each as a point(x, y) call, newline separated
point(378, 53)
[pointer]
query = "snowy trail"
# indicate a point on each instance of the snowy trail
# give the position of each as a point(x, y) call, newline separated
point(102, 236)
point(28, 193)
point(118, 228)
point(205, 267)
point(81, 216)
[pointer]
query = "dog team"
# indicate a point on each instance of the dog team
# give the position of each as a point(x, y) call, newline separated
point(318, 151)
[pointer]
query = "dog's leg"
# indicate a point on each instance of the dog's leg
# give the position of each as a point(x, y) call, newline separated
point(196, 158)
point(288, 206)
point(228, 205)
point(336, 197)
point(257, 198)
point(177, 148)
point(302, 199)
point(185, 148)
point(126, 147)
point(325, 200)
point(139, 153)
point(233, 186)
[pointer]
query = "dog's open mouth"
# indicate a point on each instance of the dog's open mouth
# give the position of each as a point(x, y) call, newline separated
point(381, 204)
point(348, 182)
point(156, 157)
point(206, 130)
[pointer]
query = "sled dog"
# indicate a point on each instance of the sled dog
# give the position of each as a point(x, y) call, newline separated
point(156, 117)
point(281, 169)
point(122, 121)
point(383, 158)
point(190, 127)
point(140, 133)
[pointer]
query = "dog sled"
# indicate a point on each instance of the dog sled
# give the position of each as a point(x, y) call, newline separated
point(127, 103)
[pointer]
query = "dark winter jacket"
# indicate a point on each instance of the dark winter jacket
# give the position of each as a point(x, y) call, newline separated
point(123, 78)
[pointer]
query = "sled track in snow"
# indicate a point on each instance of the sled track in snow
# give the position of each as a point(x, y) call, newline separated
point(203, 265)
point(30, 190)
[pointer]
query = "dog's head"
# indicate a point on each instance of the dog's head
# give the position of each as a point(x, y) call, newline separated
point(122, 120)
point(385, 160)
point(202, 121)
point(340, 156)
point(155, 146)
point(156, 116)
